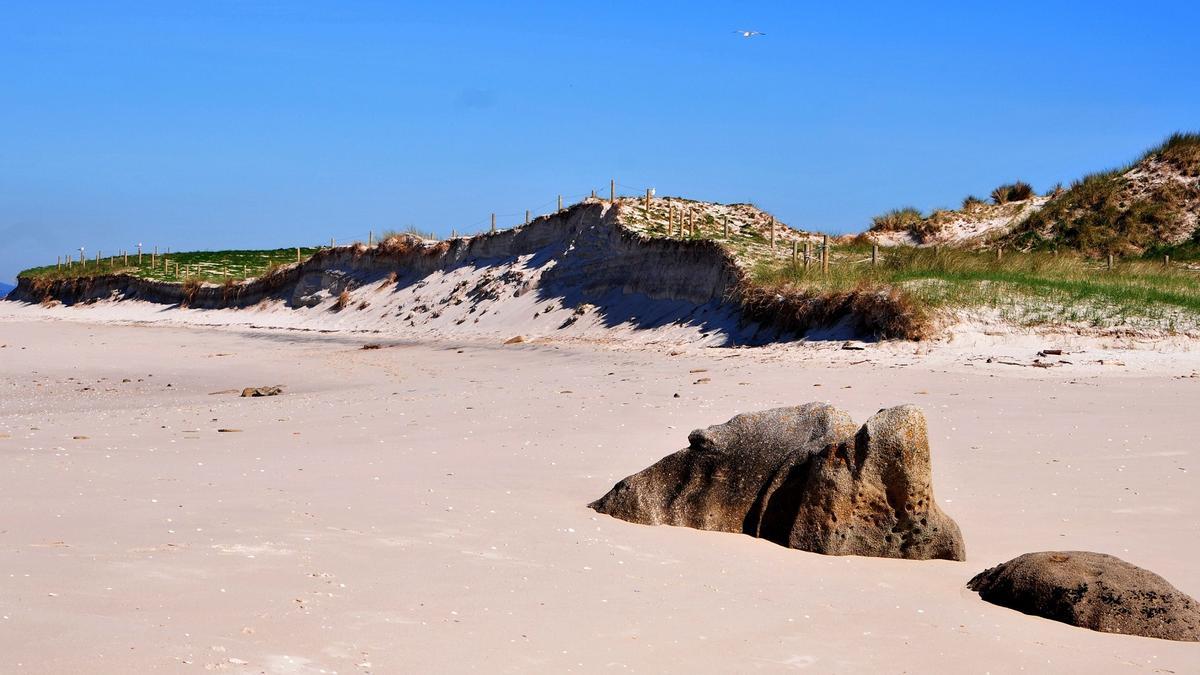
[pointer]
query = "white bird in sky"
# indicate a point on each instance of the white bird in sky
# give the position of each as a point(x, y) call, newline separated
point(749, 33)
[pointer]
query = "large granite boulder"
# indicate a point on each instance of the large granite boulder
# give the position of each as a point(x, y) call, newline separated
point(1092, 590)
point(803, 477)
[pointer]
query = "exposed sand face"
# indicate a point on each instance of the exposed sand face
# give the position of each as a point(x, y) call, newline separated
point(423, 509)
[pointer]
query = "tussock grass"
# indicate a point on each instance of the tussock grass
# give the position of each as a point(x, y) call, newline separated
point(1181, 151)
point(1018, 191)
point(191, 287)
point(411, 230)
point(897, 219)
point(884, 312)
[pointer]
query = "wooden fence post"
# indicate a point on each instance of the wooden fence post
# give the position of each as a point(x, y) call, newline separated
point(647, 206)
point(807, 252)
point(772, 233)
point(999, 252)
point(727, 226)
point(493, 223)
point(874, 254)
point(670, 219)
point(825, 256)
point(297, 255)
point(1110, 260)
point(332, 243)
point(526, 216)
point(795, 251)
point(370, 237)
point(1167, 260)
point(612, 190)
point(559, 204)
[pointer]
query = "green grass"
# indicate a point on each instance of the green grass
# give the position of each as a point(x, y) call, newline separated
point(1107, 212)
point(210, 266)
point(1026, 288)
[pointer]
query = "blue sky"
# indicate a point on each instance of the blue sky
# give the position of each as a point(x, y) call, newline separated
point(252, 124)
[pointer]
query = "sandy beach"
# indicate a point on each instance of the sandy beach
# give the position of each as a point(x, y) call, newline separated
point(422, 507)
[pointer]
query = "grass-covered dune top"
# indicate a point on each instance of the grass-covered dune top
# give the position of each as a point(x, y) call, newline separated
point(970, 226)
point(1151, 207)
point(198, 266)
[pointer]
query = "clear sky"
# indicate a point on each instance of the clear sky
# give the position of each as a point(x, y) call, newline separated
point(220, 124)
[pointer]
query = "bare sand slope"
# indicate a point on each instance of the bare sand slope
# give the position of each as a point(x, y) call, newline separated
point(581, 272)
point(422, 508)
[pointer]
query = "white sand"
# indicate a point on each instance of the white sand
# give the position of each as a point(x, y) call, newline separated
point(421, 508)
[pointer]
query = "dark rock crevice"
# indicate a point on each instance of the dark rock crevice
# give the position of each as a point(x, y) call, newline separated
point(803, 477)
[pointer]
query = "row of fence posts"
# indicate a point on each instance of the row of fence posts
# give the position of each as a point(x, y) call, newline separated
point(169, 267)
point(1109, 262)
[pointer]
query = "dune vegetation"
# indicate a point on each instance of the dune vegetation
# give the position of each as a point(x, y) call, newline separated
point(1029, 289)
point(201, 266)
point(1151, 206)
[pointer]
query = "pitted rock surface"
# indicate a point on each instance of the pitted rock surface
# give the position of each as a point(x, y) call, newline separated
point(1092, 590)
point(803, 477)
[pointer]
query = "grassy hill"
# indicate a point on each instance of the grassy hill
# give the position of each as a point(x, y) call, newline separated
point(210, 266)
point(1151, 207)
point(1148, 208)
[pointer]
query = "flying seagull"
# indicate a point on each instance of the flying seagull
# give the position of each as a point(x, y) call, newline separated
point(749, 33)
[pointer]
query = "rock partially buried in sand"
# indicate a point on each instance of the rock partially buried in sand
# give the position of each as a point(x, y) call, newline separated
point(1092, 590)
point(261, 391)
point(804, 477)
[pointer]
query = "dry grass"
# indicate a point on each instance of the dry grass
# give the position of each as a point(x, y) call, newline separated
point(343, 300)
point(409, 231)
point(875, 310)
point(398, 245)
point(1182, 152)
point(191, 287)
point(1017, 191)
point(1144, 206)
point(897, 219)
